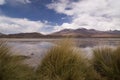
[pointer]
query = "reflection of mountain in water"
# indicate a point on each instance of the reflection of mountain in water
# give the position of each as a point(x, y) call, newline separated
point(36, 51)
point(91, 42)
point(36, 48)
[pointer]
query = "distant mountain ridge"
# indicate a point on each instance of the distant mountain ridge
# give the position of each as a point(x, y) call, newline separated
point(23, 35)
point(82, 32)
point(87, 33)
point(1, 34)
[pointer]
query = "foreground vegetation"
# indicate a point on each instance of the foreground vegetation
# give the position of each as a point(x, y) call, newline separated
point(62, 62)
point(106, 62)
point(12, 67)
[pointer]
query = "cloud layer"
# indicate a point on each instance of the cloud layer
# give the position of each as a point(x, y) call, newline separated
point(2, 2)
point(14, 2)
point(17, 25)
point(96, 14)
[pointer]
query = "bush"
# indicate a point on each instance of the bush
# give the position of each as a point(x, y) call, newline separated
point(11, 67)
point(106, 62)
point(65, 63)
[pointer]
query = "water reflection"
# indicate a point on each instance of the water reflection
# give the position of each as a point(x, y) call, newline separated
point(91, 42)
point(36, 49)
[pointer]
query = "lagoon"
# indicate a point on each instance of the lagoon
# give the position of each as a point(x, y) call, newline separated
point(36, 49)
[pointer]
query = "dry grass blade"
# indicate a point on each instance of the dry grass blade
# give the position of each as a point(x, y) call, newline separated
point(106, 61)
point(11, 67)
point(63, 62)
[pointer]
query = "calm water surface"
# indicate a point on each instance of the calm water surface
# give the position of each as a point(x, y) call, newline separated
point(36, 48)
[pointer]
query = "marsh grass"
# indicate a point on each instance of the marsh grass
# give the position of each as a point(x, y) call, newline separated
point(62, 62)
point(65, 63)
point(106, 62)
point(11, 67)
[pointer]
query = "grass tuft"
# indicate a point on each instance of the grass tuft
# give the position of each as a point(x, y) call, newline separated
point(62, 62)
point(65, 63)
point(106, 62)
point(11, 67)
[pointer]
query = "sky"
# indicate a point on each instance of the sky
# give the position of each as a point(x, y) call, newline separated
point(47, 16)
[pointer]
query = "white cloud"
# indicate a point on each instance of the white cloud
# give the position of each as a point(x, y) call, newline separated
point(17, 2)
point(17, 25)
point(2, 2)
point(14, 2)
point(23, 1)
point(96, 14)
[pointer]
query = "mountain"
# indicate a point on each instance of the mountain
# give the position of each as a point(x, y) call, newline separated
point(23, 35)
point(82, 32)
point(1, 34)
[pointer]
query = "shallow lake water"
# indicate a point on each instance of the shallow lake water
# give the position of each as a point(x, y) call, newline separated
point(36, 48)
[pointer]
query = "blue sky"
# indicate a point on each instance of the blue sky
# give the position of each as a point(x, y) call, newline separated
point(47, 16)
